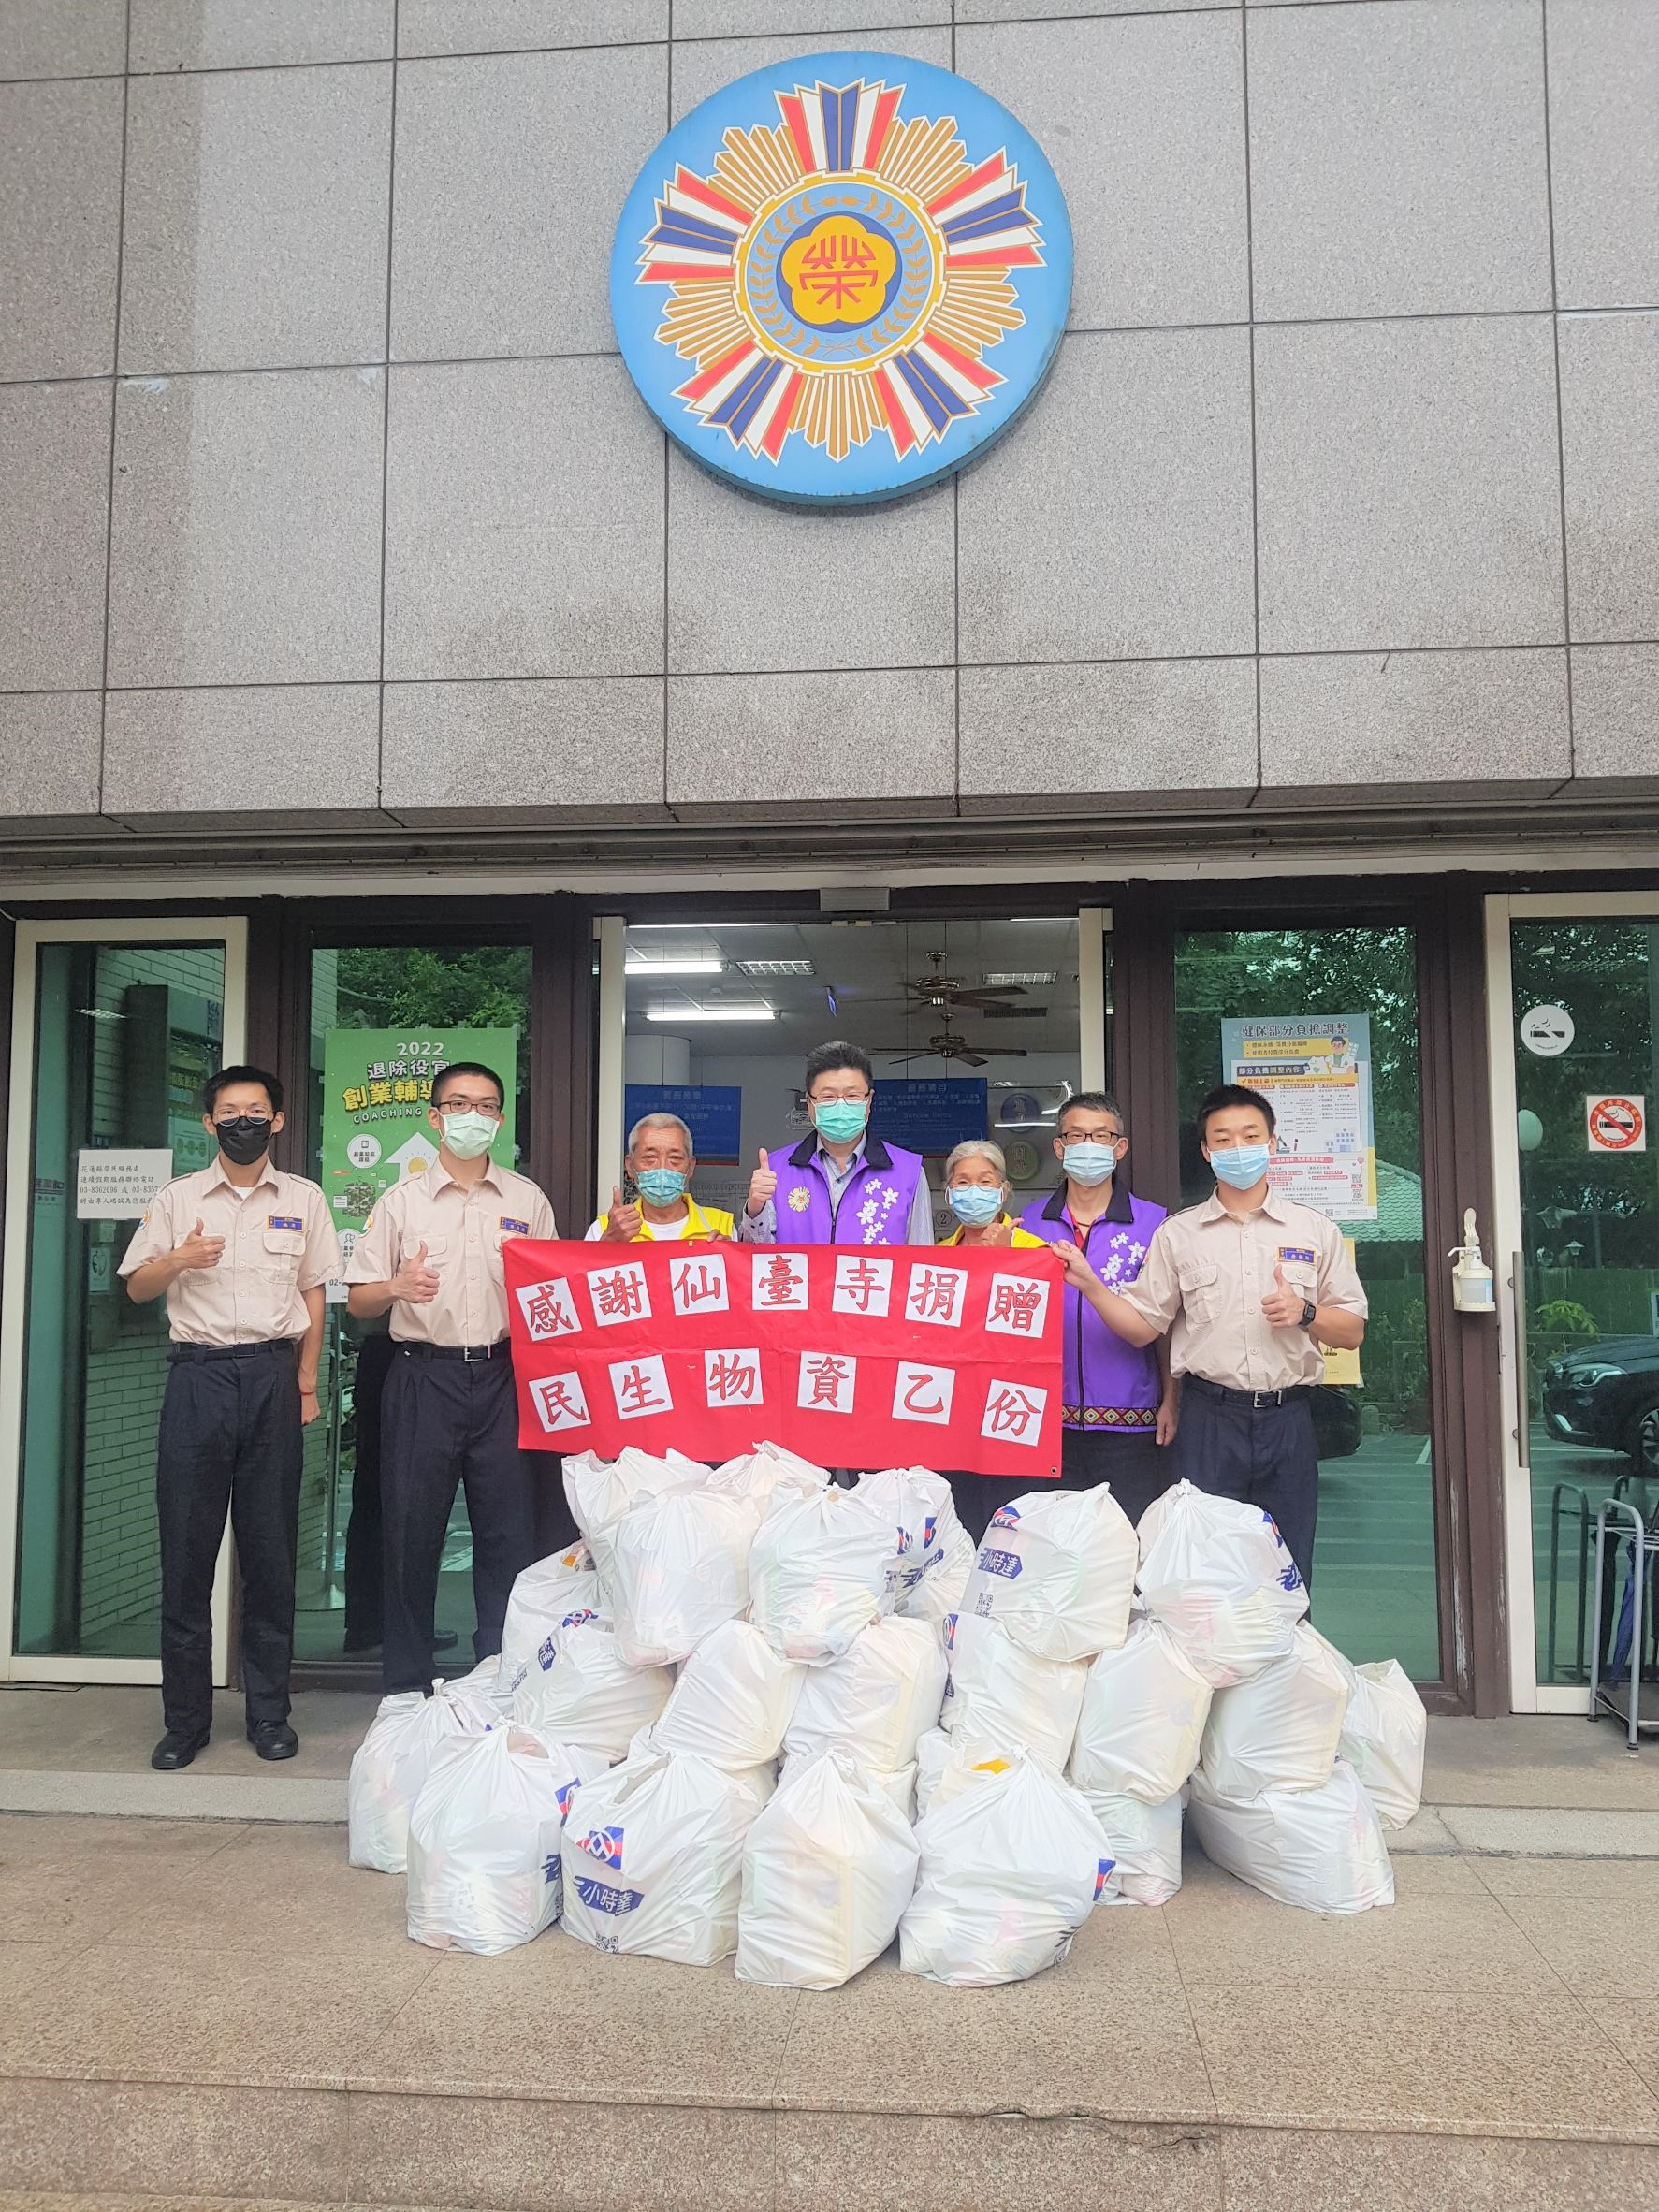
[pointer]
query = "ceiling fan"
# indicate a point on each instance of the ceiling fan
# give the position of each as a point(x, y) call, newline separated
point(944, 993)
point(947, 1045)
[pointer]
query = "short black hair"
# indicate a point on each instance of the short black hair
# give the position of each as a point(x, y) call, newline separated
point(837, 1053)
point(1090, 1102)
point(469, 1067)
point(1230, 1094)
point(227, 1076)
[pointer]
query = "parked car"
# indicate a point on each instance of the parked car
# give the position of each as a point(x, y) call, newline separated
point(1607, 1393)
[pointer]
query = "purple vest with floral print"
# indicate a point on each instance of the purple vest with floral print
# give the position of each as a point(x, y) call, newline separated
point(1105, 1384)
point(874, 1209)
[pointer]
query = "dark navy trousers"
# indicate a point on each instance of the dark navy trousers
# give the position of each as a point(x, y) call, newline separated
point(1262, 1455)
point(447, 1421)
point(230, 1439)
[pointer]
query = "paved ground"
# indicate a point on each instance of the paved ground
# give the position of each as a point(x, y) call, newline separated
point(222, 2008)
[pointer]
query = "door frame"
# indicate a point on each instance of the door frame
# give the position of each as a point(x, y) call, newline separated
point(1503, 907)
point(1445, 915)
point(230, 931)
point(611, 941)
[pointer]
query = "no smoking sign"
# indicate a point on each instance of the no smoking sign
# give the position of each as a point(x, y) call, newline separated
point(1615, 1125)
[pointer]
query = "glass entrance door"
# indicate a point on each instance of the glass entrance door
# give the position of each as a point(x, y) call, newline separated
point(112, 1039)
point(1324, 1021)
point(1581, 1255)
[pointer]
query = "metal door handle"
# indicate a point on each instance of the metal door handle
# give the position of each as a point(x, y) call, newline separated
point(1522, 1404)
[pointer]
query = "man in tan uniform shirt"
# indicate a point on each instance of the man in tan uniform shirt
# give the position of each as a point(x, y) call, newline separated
point(241, 1252)
point(431, 1253)
point(1249, 1286)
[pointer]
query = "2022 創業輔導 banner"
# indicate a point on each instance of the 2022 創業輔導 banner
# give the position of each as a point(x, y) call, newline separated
point(852, 1355)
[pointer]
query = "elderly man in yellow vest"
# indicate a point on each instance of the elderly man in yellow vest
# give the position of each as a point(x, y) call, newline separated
point(660, 1162)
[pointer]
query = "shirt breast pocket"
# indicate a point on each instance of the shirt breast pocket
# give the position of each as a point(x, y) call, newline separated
point(1200, 1289)
point(282, 1248)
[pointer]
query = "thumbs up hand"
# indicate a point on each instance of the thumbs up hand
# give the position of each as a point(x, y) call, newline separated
point(1282, 1307)
point(416, 1281)
point(763, 1186)
point(621, 1224)
point(197, 1249)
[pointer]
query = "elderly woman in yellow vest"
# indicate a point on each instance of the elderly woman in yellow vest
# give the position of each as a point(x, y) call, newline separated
point(976, 1193)
point(660, 1162)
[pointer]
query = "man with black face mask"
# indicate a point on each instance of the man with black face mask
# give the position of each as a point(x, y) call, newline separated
point(241, 1252)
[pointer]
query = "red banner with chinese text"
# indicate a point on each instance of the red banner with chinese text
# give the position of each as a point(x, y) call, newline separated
point(852, 1355)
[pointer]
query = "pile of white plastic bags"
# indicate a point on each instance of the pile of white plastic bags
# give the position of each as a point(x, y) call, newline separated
point(754, 1715)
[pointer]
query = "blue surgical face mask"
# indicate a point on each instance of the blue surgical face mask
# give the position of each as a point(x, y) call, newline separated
point(1241, 1166)
point(1090, 1164)
point(975, 1203)
point(660, 1185)
point(842, 1119)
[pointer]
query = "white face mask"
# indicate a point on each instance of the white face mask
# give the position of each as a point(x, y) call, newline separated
point(469, 1132)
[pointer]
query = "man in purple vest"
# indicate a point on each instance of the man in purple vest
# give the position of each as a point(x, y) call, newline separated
point(840, 1185)
point(1118, 1405)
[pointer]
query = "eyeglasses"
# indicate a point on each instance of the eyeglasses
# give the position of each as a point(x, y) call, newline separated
point(1076, 1136)
point(838, 1097)
point(451, 1104)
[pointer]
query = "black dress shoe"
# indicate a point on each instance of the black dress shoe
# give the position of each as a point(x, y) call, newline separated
point(273, 1740)
point(177, 1748)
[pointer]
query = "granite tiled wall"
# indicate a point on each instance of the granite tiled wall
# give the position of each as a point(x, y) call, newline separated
point(325, 488)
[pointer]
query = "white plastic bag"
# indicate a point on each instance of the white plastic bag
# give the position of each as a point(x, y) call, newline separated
point(922, 1512)
point(1385, 1732)
point(1142, 1720)
point(1280, 1729)
point(653, 1859)
point(1321, 1849)
point(942, 1774)
point(484, 1839)
point(899, 1787)
point(583, 1690)
point(680, 1566)
point(818, 1572)
point(1010, 1695)
point(734, 1700)
point(876, 1700)
point(942, 1587)
point(827, 1869)
point(1145, 1842)
point(479, 1689)
point(389, 1767)
point(1056, 1573)
point(1011, 1870)
point(1218, 1576)
point(600, 1492)
point(764, 1471)
point(554, 1593)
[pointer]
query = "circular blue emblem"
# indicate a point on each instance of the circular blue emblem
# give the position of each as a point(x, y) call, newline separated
point(840, 278)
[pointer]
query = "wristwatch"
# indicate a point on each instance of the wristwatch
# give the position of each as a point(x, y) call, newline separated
point(1309, 1313)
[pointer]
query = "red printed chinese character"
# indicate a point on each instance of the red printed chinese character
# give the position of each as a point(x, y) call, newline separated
point(618, 1296)
point(698, 1286)
point(1016, 1305)
point(545, 1310)
point(934, 1292)
point(828, 1378)
point(638, 1392)
point(559, 1403)
point(731, 1376)
point(775, 1283)
point(860, 1281)
point(1009, 1412)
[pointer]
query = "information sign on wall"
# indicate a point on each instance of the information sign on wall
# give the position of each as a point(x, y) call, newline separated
point(1315, 1071)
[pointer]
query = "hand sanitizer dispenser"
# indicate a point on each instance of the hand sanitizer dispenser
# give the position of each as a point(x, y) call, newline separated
point(1471, 1278)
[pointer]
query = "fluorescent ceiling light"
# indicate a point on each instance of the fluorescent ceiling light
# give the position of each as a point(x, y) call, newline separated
point(776, 968)
point(1021, 977)
point(710, 1013)
point(685, 964)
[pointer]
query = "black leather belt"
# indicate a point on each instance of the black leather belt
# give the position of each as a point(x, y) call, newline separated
point(1254, 1399)
point(230, 1351)
point(498, 1351)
